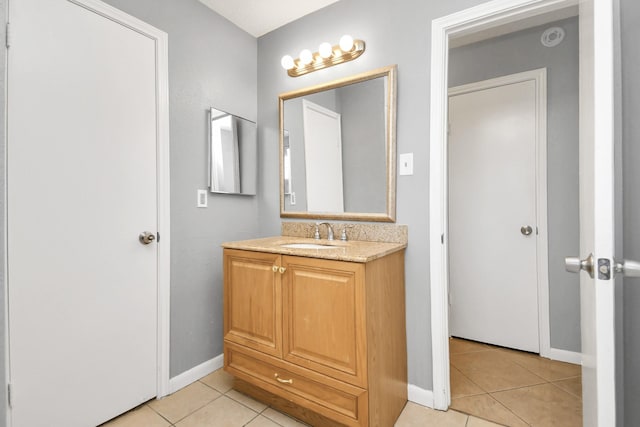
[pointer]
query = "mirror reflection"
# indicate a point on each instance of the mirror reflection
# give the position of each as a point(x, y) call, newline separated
point(338, 149)
point(232, 154)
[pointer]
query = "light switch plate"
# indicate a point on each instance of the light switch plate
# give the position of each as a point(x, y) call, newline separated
point(202, 198)
point(406, 164)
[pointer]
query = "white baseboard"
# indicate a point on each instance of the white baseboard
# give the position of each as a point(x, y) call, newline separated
point(420, 396)
point(195, 373)
point(565, 356)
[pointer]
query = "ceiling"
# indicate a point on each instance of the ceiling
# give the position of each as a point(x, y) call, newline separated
point(258, 17)
point(511, 27)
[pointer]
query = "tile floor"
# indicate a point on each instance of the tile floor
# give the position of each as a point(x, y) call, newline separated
point(512, 387)
point(211, 402)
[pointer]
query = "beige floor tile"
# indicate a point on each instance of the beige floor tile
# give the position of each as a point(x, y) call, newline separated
point(462, 386)
point(415, 415)
point(261, 421)
point(465, 362)
point(543, 405)
point(183, 402)
point(222, 412)
point(219, 380)
point(246, 401)
point(493, 371)
point(142, 416)
point(571, 385)
point(282, 419)
point(457, 346)
point(484, 406)
point(479, 422)
point(550, 370)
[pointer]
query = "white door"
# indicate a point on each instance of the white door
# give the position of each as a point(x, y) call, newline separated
point(597, 208)
point(323, 158)
point(82, 290)
point(492, 215)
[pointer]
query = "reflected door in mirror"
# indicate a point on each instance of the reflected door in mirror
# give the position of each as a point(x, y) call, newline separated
point(232, 154)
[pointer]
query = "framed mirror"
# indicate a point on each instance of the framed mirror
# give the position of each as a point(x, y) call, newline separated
point(338, 149)
point(233, 150)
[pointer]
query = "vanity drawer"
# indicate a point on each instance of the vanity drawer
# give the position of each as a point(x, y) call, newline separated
point(333, 399)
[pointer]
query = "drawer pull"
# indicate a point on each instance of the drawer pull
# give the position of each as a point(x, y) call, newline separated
point(275, 268)
point(282, 270)
point(280, 380)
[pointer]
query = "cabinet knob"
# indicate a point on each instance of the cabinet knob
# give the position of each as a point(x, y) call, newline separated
point(282, 270)
point(274, 268)
point(280, 380)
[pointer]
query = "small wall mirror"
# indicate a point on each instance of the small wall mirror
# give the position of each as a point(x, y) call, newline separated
point(233, 152)
point(338, 149)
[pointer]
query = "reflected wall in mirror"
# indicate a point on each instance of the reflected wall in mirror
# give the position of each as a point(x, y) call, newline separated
point(338, 149)
point(232, 154)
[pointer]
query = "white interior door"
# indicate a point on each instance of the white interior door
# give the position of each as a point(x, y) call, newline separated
point(82, 290)
point(493, 280)
point(323, 158)
point(597, 211)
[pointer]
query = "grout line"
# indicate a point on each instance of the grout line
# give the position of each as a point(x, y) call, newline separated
point(568, 392)
point(510, 410)
point(162, 416)
point(251, 420)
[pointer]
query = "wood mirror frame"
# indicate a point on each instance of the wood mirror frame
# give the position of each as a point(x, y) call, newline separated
point(390, 89)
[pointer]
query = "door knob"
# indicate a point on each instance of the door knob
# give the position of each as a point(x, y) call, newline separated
point(575, 264)
point(146, 237)
point(627, 268)
point(526, 230)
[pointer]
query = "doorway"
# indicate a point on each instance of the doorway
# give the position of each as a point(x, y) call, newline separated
point(599, 36)
point(87, 202)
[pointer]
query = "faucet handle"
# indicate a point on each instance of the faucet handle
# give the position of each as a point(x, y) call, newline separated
point(343, 235)
point(316, 234)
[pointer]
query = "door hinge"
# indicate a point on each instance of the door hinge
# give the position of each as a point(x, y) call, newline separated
point(442, 239)
point(8, 35)
point(158, 237)
point(9, 394)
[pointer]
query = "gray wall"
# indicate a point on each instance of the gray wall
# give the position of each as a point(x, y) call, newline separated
point(522, 51)
point(630, 17)
point(399, 32)
point(212, 63)
point(363, 111)
point(395, 33)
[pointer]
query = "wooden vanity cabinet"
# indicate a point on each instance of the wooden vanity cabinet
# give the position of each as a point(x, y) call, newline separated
point(323, 340)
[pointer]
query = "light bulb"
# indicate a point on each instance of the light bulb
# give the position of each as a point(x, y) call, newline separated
point(287, 62)
point(346, 43)
point(325, 50)
point(306, 57)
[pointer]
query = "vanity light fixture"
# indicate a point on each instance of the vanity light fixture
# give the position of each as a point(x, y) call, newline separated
point(346, 50)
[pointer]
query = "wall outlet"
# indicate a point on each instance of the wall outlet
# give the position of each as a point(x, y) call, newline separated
point(292, 198)
point(406, 164)
point(202, 198)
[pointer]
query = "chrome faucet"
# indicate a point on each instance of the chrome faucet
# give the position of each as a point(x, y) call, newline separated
point(316, 234)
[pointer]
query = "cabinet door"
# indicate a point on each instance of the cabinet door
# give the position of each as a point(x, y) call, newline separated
point(253, 300)
point(324, 317)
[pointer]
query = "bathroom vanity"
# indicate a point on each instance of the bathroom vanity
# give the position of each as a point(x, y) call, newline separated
point(316, 328)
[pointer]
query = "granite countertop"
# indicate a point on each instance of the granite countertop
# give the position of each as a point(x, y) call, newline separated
point(351, 250)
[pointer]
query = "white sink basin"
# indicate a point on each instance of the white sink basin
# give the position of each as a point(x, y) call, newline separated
point(307, 246)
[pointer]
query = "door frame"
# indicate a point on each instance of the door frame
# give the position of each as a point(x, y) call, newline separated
point(539, 76)
point(160, 38)
point(487, 15)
